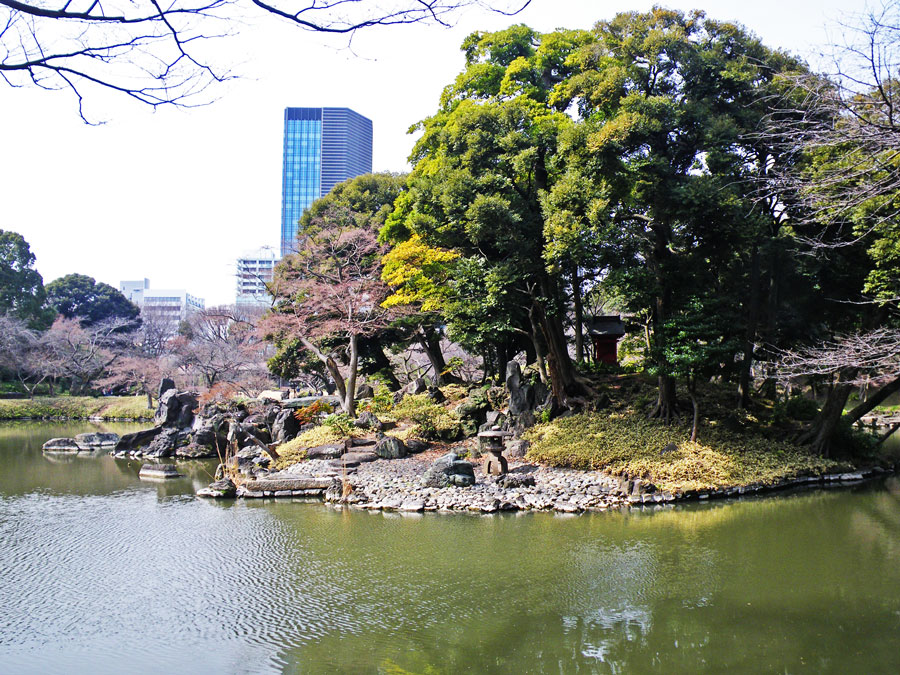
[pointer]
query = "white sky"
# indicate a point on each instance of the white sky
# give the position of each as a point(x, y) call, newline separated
point(177, 195)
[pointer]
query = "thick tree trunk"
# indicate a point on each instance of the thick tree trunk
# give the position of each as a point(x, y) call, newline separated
point(821, 433)
point(696, 423)
point(332, 367)
point(666, 408)
point(430, 341)
point(564, 379)
point(349, 399)
point(149, 401)
point(872, 401)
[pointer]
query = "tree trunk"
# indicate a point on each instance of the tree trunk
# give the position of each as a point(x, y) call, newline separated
point(579, 315)
point(331, 366)
point(564, 380)
point(696, 423)
point(536, 342)
point(744, 385)
point(872, 401)
point(430, 341)
point(149, 401)
point(822, 431)
point(349, 400)
point(666, 408)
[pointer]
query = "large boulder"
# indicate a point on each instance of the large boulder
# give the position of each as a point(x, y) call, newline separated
point(61, 445)
point(521, 395)
point(417, 386)
point(390, 448)
point(164, 385)
point(365, 391)
point(166, 443)
point(176, 409)
point(138, 439)
point(368, 420)
point(221, 489)
point(207, 437)
point(194, 451)
point(448, 470)
point(285, 426)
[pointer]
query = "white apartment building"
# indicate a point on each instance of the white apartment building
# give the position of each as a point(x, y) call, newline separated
point(172, 304)
point(254, 272)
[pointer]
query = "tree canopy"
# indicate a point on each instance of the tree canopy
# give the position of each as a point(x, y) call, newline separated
point(22, 293)
point(78, 296)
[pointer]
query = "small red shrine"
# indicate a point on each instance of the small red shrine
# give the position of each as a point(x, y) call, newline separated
point(605, 332)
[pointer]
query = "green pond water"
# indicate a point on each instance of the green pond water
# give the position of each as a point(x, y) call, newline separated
point(103, 573)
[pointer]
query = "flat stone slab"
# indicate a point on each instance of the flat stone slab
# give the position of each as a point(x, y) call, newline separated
point(158, 472)
point(282, 484)
point(97, 440)
point(61, 445)
point(359, 457)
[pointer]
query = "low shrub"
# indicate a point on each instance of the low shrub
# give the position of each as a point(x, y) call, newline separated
point(432, 421)
point(292, 452)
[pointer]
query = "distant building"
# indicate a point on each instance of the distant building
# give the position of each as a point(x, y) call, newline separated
point(170, 304)
point(254, 272)
point(322, 147)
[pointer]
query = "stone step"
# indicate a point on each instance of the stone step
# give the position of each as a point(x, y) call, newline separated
point(282, 484)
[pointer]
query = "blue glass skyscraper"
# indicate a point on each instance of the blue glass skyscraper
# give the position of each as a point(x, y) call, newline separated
point(322, 147)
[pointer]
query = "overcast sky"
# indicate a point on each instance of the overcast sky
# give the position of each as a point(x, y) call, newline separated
point(177, 195)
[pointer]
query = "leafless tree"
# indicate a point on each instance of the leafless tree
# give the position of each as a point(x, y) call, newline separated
point(851, 113)
point(82, 354)
point(330, 294)
point(153, 51)
point(847, 362)
point(220, 344)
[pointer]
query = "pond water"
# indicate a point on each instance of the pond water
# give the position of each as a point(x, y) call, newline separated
point(102, 573)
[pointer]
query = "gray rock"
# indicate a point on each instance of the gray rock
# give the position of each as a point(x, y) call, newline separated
point(359, 457)
point(330, 451)
point(97, 440)
point(138, 439)
point(285, 427)
point(221, 489)
point(449, 470)
point(390, 448)
point(194, 451)
point(164, 385)
point(671, 447)
point(517, 448)
point(515, 480)
point(164, 445)
point(416, 445)
point(436, 395)
point(61, 445)
point(417, 386)
point(364, 391)
point(158, 472)
point(521, 395)
point(168, 409)
point(368, 420)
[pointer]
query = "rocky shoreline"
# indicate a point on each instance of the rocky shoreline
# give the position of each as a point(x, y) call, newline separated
point(403, 485)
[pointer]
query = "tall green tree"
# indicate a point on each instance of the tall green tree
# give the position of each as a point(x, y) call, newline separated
point(480, 168)
point(22, 293)
point(78, 296)
point(667, 100)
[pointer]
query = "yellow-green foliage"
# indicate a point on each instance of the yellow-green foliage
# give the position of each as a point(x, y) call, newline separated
point(430, 419)
point(291, 452)
point(630, 444)
point(76, 407)
point(320, 435)
point(454, 392)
